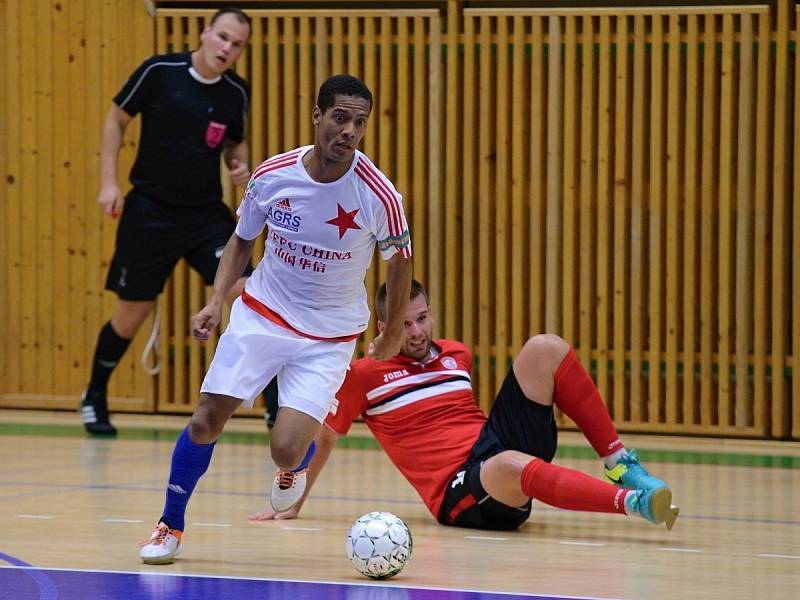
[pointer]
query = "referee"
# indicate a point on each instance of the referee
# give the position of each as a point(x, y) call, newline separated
point(193, 110)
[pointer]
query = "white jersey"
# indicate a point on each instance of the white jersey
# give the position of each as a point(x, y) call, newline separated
point(320, 241)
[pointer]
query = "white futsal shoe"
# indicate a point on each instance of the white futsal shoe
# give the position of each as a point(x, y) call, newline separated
point(287, 488)
point(162, 547)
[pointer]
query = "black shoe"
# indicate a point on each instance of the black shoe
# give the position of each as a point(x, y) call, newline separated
point(94, 414)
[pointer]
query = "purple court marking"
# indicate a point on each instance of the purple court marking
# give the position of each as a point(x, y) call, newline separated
point(24, 583)
point(38, 584)
point(13, 561)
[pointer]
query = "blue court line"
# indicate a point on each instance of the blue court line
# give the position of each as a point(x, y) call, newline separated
point(13, 561)
point(70, 584)
point(46, 589)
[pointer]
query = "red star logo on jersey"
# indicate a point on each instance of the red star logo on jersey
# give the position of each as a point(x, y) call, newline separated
point(344, 220)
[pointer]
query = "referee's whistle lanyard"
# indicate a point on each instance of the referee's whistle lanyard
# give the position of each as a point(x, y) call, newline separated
point(152, 346)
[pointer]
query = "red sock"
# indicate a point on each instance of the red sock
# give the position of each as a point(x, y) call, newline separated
point(570, 489)
point(576, 395)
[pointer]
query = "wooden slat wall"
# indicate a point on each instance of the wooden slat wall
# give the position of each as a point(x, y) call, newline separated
point(668, 220)
point(63, 62)
point(795, 307)
point(782, 153)
point(620, 176)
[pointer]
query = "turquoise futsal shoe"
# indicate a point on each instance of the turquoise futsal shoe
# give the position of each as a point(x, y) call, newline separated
point(630, 474)
point(655, 505)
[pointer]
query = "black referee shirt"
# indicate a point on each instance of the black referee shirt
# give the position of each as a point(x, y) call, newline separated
point(184, 123)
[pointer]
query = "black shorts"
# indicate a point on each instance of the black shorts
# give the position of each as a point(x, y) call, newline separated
point(152, 237)
point(515, 423)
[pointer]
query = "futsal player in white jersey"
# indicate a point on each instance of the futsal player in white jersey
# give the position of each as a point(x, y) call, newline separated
point(325, 208)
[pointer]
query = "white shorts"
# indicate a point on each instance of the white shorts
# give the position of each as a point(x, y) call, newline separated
point(253, 350)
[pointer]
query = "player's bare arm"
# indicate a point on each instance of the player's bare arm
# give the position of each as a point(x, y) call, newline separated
point(398, 289)
point(234, 258)
point(326, 441)
point(237, 157)
point(110, 196)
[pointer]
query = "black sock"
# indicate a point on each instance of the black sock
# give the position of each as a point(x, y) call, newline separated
point(110, 348)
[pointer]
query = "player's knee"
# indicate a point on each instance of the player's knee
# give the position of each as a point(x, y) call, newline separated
point(505, 466)
point(126, 326)
point(204, 428)
point(287, 453)
point(546, 348)
point(129, 316)
point(511, 463)
point(501, 477)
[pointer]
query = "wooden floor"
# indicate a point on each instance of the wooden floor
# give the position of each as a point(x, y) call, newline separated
point(72, 502)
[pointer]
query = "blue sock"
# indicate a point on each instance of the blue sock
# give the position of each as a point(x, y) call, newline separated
point(307, 459)
point(189, 462)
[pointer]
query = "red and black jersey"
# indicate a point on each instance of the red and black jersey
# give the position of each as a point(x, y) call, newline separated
point(422, 413)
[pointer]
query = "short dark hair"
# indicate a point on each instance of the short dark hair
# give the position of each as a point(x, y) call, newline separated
point(417, 289)
point(341, 85)
point(240, 15)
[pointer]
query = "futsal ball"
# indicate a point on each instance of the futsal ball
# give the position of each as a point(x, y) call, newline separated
point(379, 545)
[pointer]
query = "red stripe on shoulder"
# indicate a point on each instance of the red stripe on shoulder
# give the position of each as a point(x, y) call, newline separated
point(384, 194)
point(276, 162)
point(390, 195)
point(380, 195)
point(279, 158)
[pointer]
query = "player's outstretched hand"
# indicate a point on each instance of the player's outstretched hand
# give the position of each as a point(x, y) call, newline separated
point(383, 348)
point(271, 515)
point(110, 200)
point(204, 322)
point(240, 174)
